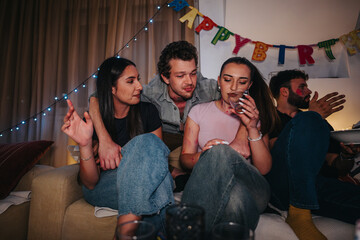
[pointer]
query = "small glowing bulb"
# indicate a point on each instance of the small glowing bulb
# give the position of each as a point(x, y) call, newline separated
point(145, 28)
point(56, 98)
point(117, 56)
point(84, 85)
point(158, 7)
point(151, 21)
point(35, 119)
point(76, 90)
point(49, 109)
point(17, 128)
point(23, 122)
point(44, 114)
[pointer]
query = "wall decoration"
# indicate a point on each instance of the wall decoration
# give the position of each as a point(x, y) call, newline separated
point(351, 40)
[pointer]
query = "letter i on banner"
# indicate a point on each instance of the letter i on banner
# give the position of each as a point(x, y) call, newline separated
point(190, 17)
point(259, 53)
point(327, 45)
point(223, 34)
point(207, 24)
point(305, 54)
point(178, 4)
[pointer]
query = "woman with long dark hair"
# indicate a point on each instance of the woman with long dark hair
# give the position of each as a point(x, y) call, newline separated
point(227, 185)
point(140, 186)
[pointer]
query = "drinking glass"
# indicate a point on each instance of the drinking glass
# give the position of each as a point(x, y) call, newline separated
point(231, 231)
point(185, 222)
point(236, 103)
point(136, 230)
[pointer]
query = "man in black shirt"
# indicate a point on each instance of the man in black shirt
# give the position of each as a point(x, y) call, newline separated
point(299, 149)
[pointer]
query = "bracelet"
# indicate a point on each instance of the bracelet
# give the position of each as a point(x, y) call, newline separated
point(86, 159)
point(255, 139)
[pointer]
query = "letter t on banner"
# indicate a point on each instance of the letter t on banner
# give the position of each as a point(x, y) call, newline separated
point(178, 4)
point(327, 45)
point(305, 54)
point(223, 34)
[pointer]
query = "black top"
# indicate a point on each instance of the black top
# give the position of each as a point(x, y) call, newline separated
point(150, 120)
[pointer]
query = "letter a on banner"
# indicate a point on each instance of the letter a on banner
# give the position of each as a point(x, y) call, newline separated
point(259, 53)
point(190, 17)
point(305, 54)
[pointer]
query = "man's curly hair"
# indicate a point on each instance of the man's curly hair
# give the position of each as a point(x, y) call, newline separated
point(182, 50)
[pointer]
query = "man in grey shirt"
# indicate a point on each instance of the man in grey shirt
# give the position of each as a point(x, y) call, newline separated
point(177, 87)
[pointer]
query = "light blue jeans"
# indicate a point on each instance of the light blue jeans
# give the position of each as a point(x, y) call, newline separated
point(227, 187)
point(141, 185)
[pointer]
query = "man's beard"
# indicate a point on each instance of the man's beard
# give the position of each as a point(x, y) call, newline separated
point(298, 101)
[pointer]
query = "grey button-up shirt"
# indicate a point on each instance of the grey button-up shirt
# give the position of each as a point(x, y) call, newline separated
point(157, 93)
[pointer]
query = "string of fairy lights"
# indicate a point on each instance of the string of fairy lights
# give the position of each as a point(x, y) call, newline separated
point(83, 84)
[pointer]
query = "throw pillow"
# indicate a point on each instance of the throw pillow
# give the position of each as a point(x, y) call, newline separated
point(16, 159)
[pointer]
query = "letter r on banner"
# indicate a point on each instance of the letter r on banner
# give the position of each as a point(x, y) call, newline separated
point(305, 54)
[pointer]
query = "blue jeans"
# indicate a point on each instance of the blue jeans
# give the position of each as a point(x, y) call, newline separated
point(227, 187)
point(298, 155)
point(141, 185)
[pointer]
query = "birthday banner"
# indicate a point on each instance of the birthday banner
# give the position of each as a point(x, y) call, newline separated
point(350, 40)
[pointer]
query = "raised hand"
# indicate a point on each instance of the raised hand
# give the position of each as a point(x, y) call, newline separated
point(81, 132)
point(328, 104)
point(250, 115)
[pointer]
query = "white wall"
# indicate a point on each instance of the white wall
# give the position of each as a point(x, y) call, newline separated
point(291, 22)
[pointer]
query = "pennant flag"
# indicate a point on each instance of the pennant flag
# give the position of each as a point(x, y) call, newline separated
point(305, 54)
point(178, 4)
point(223, 34)
point(190, 17)
point(259, 53)
point(327, 45)
point(282, 52)
point(239, 41)
point(207, 24)
point(351, 40)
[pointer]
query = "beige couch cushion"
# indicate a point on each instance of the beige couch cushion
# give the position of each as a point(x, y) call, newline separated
point(14, 221)
point(81, 223)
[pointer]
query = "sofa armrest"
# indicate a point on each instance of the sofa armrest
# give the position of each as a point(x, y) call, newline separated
point(26, 181)
point(52, 193)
